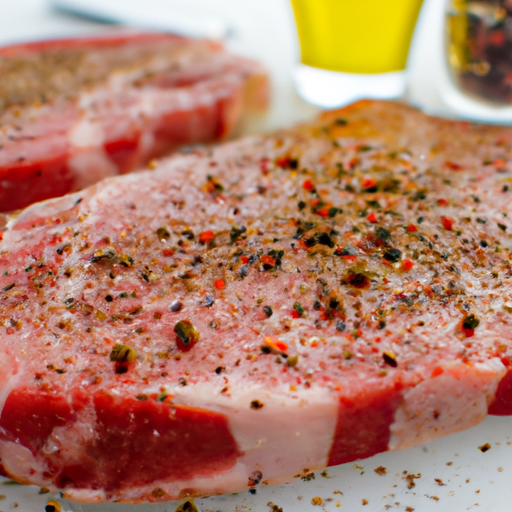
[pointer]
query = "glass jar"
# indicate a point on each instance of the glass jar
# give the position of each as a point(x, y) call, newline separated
point(478, 43)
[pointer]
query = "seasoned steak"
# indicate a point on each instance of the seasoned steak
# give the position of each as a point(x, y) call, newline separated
point(273, 304)
point(75, 111)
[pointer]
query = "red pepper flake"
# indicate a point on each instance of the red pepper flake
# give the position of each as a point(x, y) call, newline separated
point(206, 236)
point(324, 212)
point(407, 265)
point(219, 284)
point(308, 185)
point(276, 345)
point(369, 183)
point(412, 228)
point(167, 252)
point(268, 260)
point(453, 166)
point(448, 223)
point(442, 202)
point(287, 162)
point(437, 371)
point(372, 218)
point(245, 259)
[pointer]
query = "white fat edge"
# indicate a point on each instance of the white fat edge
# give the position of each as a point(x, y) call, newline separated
point(232, 480)
point(450, 402)
point(292, 431)
point(11, 373)
point(19, 462)
point(86, 133)
point(90, 166)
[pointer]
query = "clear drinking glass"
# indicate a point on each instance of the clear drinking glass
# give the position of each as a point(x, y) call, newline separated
point(352, 49)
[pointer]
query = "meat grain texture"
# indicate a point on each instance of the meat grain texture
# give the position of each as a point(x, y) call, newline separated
point(273, 304)
point(75, 111)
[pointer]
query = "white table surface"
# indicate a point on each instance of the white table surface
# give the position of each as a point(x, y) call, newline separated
point(467, 479)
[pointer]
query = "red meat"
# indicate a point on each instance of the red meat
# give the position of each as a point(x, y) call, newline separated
point(234, 316)
point(75, 111)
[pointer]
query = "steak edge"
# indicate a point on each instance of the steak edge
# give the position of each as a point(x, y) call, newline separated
point(75, 111)
point(245, 312)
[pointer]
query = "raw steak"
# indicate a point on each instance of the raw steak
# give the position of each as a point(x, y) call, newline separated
point(75, 111)
point(243, 314)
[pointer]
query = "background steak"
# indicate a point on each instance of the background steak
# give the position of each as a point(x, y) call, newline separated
point(242, 313)
point(75, 111)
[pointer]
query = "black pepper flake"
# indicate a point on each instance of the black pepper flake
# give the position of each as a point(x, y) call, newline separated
point(236, 232)
point(256, 404)
point(502, 226)
point(268, 311)
point(382, 234)
point(419, 220)
point(255, 478)
point(481, 221)
point(277, 255)
point(358, 280)
point(392, 255)
point(340, 122)
point(389, 358)
point(470, 322)
point(299, 309)
point(188, 506)
point(207, 302)
point(63, 248)
point(334, 303)
point(121, 368)
point(340, 326)
point(219, 370)
point(188, 234)
point(109, 298)
point(244, 270)
point(301, 205)
point(485, 447)
point(320, 239)
point(163, 233)
point(8, 287)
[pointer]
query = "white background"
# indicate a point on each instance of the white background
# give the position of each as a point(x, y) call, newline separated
point(264, 29)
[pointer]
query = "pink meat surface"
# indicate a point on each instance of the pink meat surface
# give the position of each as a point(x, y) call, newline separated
point(245, 312)
point(75, 111)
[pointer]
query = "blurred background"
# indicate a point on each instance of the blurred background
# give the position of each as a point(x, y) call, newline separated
point(264, 30)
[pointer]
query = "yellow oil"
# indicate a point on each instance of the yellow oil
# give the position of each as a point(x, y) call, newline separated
point(356, 36)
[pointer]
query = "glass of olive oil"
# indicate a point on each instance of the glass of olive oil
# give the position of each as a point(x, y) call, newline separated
point(352, 49)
